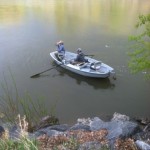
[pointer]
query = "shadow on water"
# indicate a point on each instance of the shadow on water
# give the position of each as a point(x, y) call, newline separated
point(96, 83)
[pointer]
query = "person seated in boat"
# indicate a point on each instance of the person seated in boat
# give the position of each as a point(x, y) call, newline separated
point(60, 49)
point(80, 56)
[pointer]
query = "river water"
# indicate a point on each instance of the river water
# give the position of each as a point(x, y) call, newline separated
point(28, 33)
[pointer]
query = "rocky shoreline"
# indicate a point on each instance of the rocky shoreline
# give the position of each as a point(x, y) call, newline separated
point(120, 132)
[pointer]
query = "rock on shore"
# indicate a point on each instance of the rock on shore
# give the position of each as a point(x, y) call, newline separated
point(94, 133)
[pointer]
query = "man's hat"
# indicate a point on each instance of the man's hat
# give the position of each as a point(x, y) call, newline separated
point(60, 42)
point(79, 50)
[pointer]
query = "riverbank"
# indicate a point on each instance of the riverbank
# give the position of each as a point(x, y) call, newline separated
point(120, 132)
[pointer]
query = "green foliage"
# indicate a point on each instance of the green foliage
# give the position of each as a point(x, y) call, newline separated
point(140, 54)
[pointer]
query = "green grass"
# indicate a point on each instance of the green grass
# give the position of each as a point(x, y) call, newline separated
point(21, 144)
point(11, 104)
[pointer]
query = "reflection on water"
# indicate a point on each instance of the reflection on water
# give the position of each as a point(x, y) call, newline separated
point(80, 80)
point(11, 14)
point(29, 29)
point(112, 14)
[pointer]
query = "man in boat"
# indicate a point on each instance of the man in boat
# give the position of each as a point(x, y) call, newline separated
point(80, 56)
point(60, 49)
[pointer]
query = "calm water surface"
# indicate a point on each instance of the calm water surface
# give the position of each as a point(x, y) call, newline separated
point(28, 32)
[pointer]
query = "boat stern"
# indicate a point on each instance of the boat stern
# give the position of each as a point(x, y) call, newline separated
point(112, 73)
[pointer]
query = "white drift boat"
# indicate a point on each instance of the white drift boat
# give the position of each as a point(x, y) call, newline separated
point(93, 68)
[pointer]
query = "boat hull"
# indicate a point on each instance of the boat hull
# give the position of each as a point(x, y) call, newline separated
point(86, 71)
point(92, 74)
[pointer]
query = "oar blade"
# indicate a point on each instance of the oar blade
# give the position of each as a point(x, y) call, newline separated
point(35, 76)
point(38, 74)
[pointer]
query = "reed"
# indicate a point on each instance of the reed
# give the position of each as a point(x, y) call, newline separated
point(11, 105)
point(23, 142)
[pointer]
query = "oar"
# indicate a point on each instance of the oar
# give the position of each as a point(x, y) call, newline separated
point(36, 75)
point(90, 55)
